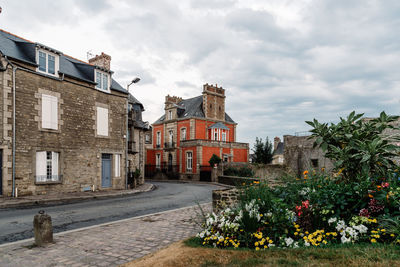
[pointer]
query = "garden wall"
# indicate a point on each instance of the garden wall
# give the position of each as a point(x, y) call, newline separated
point(224, 198)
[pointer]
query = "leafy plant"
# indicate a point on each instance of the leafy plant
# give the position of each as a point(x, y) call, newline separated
point(214, 160)
point(358, 147)
point(244, 171)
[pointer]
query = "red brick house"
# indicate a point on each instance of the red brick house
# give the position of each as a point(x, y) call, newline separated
point(190, 132)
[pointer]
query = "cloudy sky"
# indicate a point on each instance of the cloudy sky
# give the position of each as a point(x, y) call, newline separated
point(281, 62)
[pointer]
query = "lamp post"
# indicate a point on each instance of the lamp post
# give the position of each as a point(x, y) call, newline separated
point(136, 80)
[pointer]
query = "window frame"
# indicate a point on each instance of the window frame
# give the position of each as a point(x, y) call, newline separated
point(99, 131)
point(100, 83)
point(47, 54)
point(158, 138)
point(53, 101)
point(183, 133)
point(117, 165)
point(47, 171)
point(189, 167)
point(158, 161)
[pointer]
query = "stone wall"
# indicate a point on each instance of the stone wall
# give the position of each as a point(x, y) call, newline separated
point(80, 149)
point(222, 199)
point(299, 155)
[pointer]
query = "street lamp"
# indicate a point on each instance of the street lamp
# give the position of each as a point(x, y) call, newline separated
point(136, 80)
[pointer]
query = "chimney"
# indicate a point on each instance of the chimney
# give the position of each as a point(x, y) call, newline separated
point(277, 140)
point(102, 61)
point(214, 102)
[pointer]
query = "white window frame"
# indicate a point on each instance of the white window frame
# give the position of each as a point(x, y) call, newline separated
point(117, 165)
point(158, 161)
point(49, 116)
point(102, 128)
point(56, 62)
point(170, 114)
point(100, 85)
point(47, 166)
point(158, 138)
point(189, 161)
point(183, 133)
point(223, 136)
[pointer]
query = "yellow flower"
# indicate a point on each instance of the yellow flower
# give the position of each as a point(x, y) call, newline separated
point(256, 244)
point(296, 233)
point(383, 230)
point(373, 240)
point(257, 248)
point(270, 241)
point(392, 235)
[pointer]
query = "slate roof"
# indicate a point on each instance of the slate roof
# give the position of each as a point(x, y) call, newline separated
point(279, 149)
point(192, 107)
point(25, 51)
point(133, 100)
point(219, 125)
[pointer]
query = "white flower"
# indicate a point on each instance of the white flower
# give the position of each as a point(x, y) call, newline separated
point(332, 220)
point(296, 244)
point(289, 241)
point(306, 244)
point(271, 245)
point(344, 239)
point(361, 228)
point(304, 191)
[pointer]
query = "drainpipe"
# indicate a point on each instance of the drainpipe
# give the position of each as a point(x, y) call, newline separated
point(126, 150)
point(13, 133)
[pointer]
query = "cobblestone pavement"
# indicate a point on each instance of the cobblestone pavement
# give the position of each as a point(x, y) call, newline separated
point(110, 244)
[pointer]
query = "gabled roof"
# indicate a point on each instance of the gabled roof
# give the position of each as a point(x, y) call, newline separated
point(219, 125)
point(192, 107)
point(132, 100)
point(23, 50)
point(279, 149)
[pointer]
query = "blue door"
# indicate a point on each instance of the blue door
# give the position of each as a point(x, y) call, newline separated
point(106, 170)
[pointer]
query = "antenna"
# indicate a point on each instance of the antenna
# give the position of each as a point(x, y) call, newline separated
point(89, 54)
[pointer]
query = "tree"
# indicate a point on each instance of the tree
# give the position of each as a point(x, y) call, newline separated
point(262, 151)
point(360, 148)
point(214, 160)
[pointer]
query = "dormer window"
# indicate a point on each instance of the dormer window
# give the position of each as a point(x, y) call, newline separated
point(170, 114)
point(102, 80)
point(48, 62)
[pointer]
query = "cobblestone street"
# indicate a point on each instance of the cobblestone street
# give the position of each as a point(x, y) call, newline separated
point(109, 244)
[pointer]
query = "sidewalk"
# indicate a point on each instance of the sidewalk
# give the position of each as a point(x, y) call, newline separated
point(109, 244)
point(60, 198)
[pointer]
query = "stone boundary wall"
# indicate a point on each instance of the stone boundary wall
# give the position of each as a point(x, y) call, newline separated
point(234, 180)
point(224, 198)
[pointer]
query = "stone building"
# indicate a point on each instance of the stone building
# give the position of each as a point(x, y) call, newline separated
point(300, 155)
point(70, 121)
point(277, 156)
point(190, 132)
point(139, 134)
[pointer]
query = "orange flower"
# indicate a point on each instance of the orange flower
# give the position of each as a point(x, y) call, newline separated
point(379, 187)
point(371, 196)
point(305, 172)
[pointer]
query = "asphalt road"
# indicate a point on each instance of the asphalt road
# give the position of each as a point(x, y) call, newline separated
point(17, 224)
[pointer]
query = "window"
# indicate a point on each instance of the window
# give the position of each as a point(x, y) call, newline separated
point(117, 165)
point(158, 138)
point(49, 112)
point(47, 166)
point(224, 136)
point(158, 161)
point(314, 163)
point(102, 81)
point(189, 161)
point(48, 62)
point(183, 134)
point(102, 121)
point(215, 135)
point(171, 137)
point(147, 138)
point(170, 114)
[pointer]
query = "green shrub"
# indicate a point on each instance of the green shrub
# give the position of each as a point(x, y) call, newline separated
point(244, 171)
point(214, 160)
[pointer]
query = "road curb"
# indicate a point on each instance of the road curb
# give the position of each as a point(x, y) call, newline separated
point(71, 199)
point(105, 224)
point(191, 182)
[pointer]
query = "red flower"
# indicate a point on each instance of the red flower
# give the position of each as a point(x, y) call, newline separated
point(305, 204)
point(386, 184)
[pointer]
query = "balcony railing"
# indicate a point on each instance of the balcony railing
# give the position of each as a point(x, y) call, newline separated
point(169, 145)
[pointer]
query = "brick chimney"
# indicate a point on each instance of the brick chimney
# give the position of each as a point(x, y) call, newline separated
point(103, 61)
point(214, 102)
point(277, 140)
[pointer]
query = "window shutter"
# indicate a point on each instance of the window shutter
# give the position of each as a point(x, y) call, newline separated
point(54, 113)
point(102, 121)
point(54, 166)
point(117, 165)
point(41, 166)
point(49, 112)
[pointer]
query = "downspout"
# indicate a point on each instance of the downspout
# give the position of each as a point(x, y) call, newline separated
point(126, 150)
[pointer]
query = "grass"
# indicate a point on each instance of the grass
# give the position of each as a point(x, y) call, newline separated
point(191, 253)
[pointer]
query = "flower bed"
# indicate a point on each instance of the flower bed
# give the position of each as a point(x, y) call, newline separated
point(315, 211)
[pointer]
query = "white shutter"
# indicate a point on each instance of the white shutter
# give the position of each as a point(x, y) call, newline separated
point(54, 166)
point(41, 166)
point(102, 121)
point(54, 113)
point(49, 112)
point(117, 165)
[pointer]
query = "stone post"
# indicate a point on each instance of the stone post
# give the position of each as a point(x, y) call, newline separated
point(43, 228)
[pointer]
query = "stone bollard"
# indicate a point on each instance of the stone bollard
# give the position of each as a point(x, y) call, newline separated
point(42, 228)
